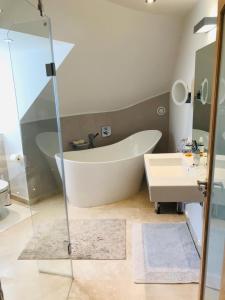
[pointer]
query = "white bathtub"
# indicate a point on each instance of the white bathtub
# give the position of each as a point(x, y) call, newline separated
point(48, 144)
point(108, 174)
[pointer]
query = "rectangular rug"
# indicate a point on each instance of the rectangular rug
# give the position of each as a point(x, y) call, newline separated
point(91, 239)
point(164, 253)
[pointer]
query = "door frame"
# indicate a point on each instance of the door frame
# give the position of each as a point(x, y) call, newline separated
point(220, 29)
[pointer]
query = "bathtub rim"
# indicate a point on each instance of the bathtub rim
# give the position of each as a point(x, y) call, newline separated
point(57, 156)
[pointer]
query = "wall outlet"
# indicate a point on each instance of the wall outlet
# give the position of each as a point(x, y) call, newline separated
point(161, 111)
point(106, 131)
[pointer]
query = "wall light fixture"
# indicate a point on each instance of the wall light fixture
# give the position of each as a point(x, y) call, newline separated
point(205, 25)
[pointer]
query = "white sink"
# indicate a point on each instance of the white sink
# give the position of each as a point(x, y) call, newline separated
point(171, 178)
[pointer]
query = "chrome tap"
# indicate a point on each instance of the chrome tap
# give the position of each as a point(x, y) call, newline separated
point(91, 139)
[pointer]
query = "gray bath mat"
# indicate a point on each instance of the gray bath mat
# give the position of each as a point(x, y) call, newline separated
point(90, 239)
point(164, 253)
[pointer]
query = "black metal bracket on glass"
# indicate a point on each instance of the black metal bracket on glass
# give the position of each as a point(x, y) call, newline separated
point(40, 8)
point(50, 69)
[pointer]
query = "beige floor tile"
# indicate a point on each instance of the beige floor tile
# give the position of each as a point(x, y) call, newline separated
point(95, 280)
point(21, 280)
point(112, 280)
point(122, 289)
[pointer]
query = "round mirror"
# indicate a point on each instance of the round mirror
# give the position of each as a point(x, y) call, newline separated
point(179, 92)
point(204, 91)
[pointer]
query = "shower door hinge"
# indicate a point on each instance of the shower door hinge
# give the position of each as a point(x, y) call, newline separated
point(50, 69)
point(69, 249)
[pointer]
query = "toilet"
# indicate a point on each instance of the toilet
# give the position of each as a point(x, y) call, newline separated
point(4, 193)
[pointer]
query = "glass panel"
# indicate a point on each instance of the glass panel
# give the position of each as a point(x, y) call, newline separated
point(31, 50)
point(216, 239)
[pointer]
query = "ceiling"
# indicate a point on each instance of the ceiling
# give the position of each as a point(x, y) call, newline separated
point(170, 7)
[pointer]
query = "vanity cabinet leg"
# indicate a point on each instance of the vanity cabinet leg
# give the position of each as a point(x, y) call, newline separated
point(1, 292)
point(180, 208)
point(157, 207)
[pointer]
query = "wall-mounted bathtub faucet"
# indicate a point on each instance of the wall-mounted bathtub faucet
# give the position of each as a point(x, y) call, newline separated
point(91, 139)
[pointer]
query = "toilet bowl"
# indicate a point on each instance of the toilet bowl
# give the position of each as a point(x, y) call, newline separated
point(4, 193)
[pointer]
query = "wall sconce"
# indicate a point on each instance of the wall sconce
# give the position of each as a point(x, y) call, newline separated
point(205, 25)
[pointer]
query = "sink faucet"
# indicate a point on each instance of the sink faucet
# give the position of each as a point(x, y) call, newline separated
point(91, 139)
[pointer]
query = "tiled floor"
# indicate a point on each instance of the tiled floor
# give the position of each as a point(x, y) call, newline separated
point(21, 280)
point(112, 280)
point(13, 215)
point(94, 280)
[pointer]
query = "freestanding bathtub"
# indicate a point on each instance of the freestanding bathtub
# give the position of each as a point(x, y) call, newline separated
point(107, 174)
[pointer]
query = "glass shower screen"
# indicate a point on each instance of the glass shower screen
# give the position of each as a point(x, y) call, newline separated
point(32, 62)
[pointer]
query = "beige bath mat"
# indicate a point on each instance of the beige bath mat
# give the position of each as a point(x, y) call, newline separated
point(103, 239)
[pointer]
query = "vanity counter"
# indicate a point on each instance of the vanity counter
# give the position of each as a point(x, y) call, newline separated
point(173, 178)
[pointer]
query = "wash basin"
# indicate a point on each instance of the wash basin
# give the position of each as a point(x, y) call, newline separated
point(166, 168)
point(171, 178)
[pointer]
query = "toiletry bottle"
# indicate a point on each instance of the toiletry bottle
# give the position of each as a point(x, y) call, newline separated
point(201, 146)
point(196, 153)
point(188, 148)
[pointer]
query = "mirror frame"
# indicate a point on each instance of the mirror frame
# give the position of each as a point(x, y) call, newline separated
point(186, 92)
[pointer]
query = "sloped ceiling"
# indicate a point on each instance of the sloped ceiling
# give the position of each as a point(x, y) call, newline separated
point(19, 11)
point(122, 56)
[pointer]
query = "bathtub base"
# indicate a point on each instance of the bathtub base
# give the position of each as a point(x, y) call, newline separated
point(107, 191)
point(105, 200)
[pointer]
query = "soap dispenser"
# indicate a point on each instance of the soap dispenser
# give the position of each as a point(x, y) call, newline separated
point(201, 146)
point(188, 147)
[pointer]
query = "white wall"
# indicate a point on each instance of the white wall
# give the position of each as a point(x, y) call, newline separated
point(122, 56)
point(181, 116)
point(3, 164)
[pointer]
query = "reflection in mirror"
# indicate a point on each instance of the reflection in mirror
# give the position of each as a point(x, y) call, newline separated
point(203, 92)
point(220, 142)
